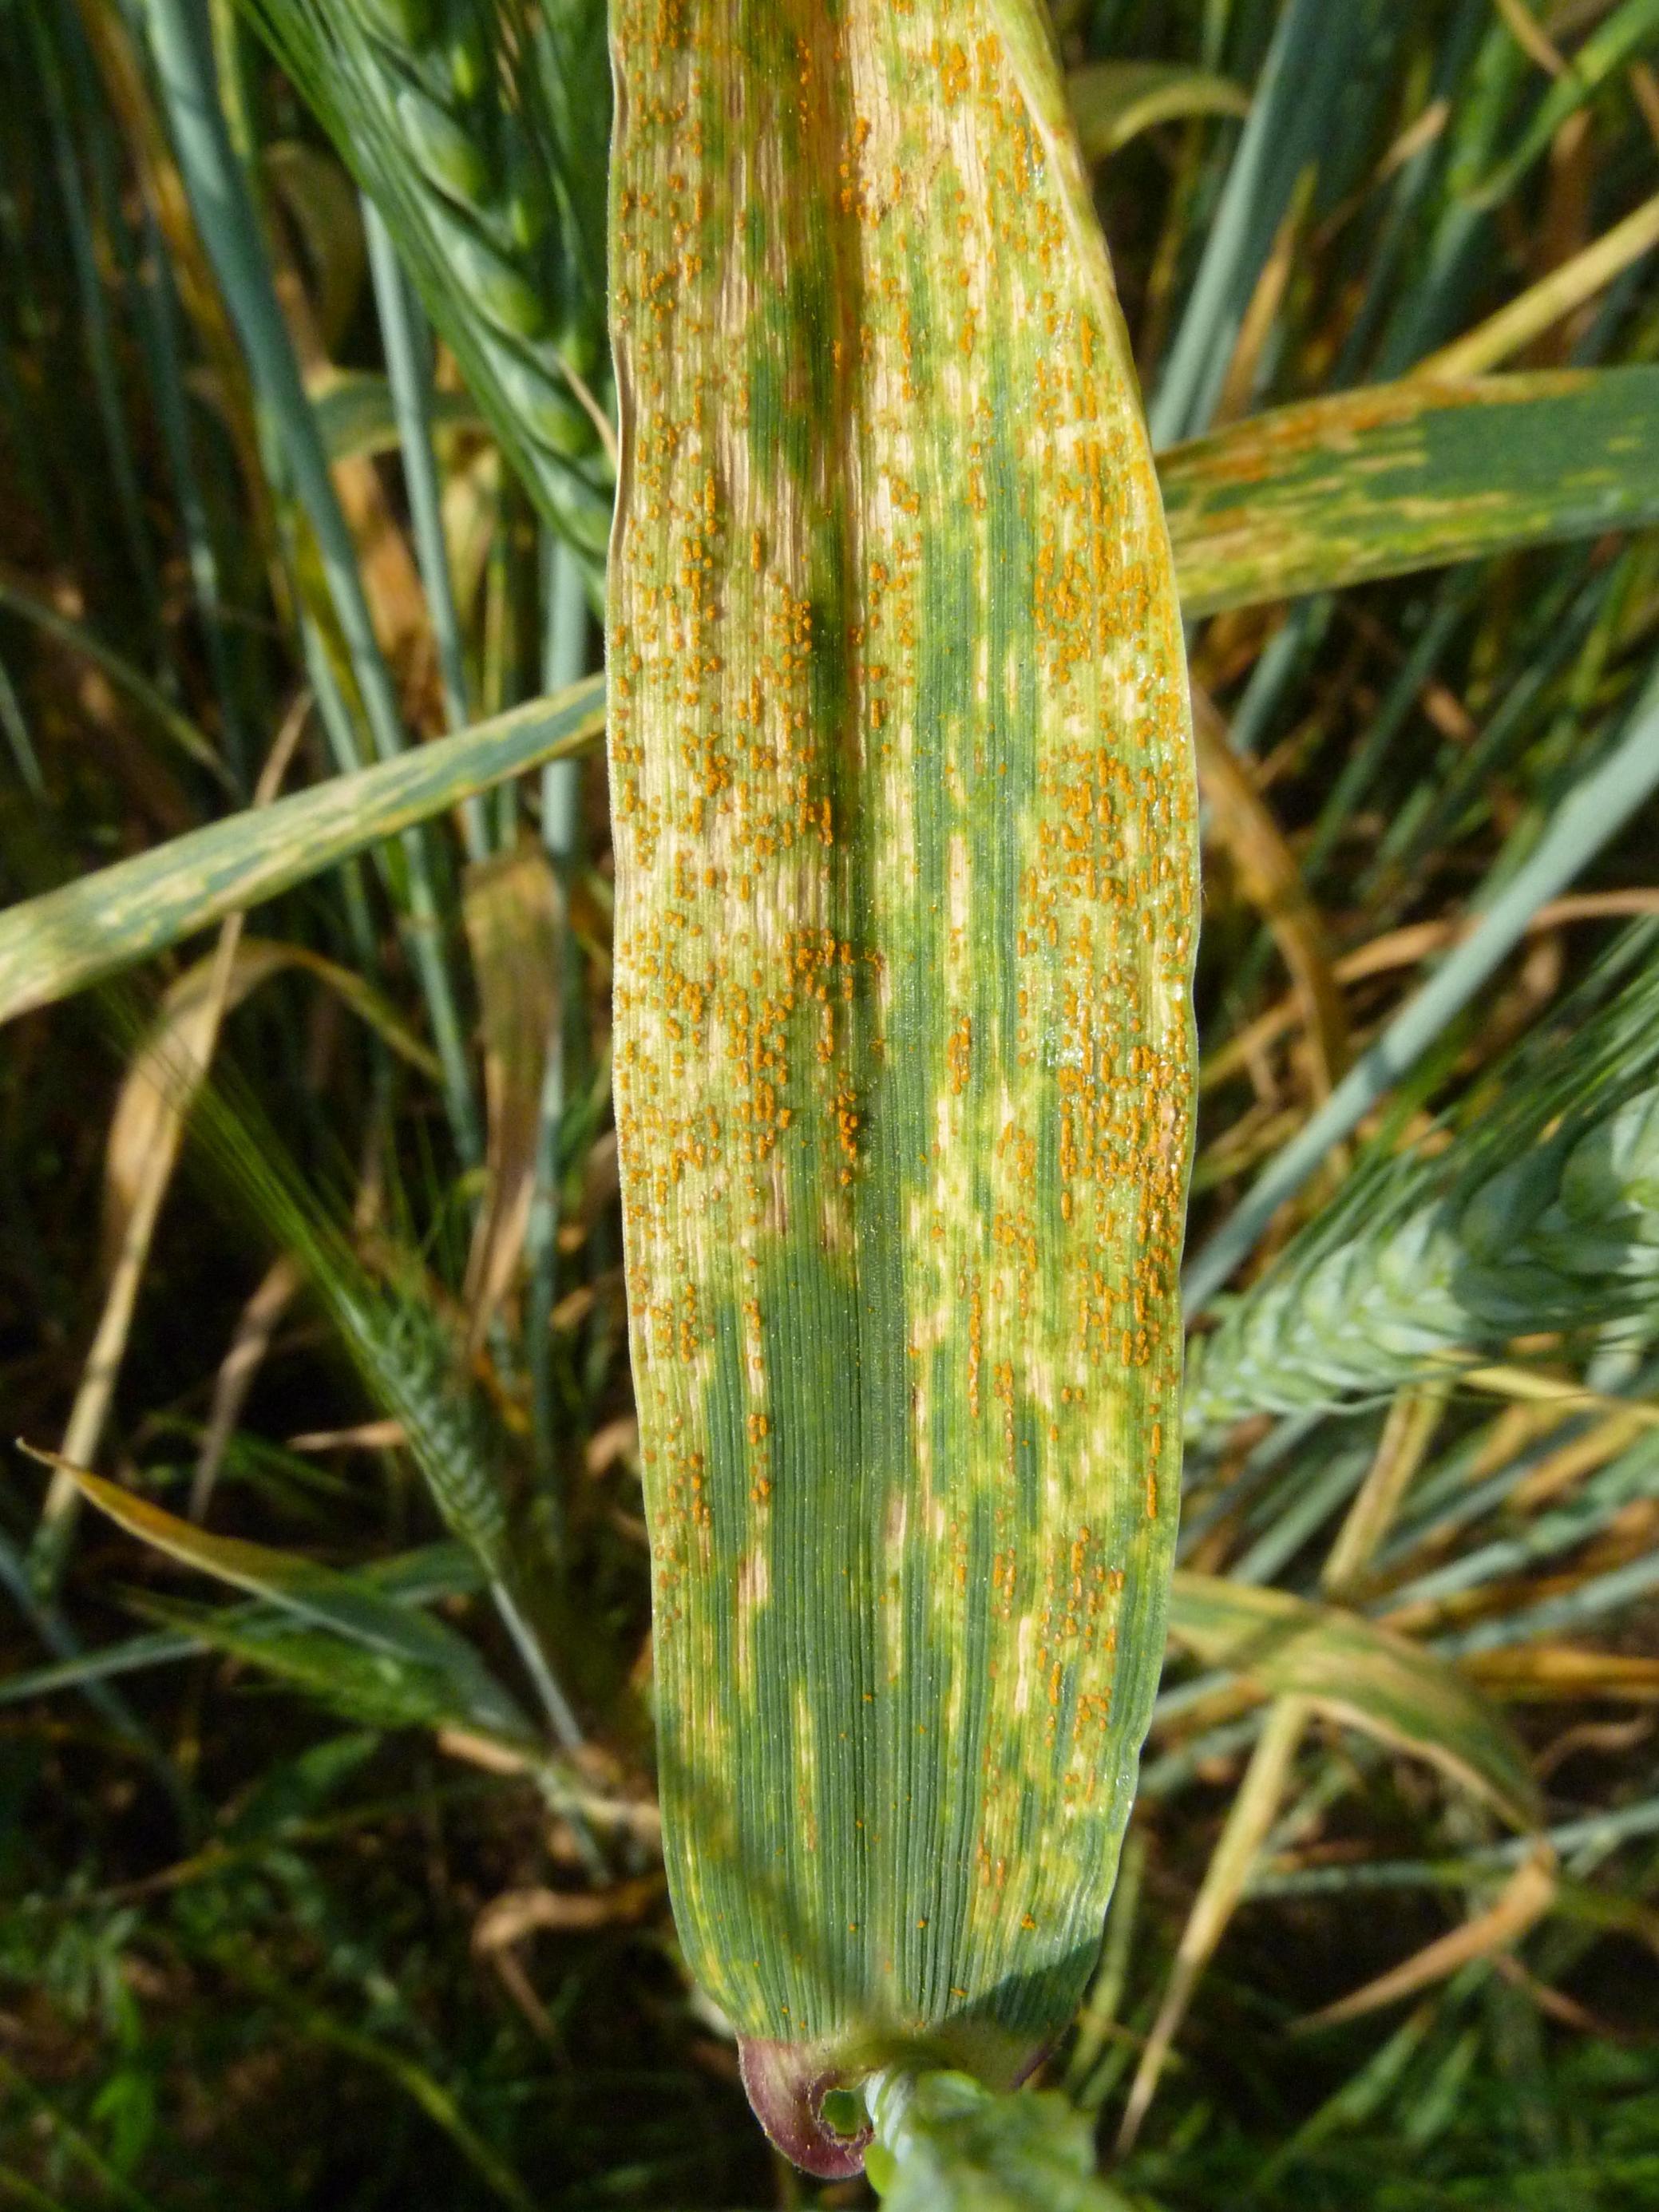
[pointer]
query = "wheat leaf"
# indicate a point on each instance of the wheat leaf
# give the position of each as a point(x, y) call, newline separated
point(902, 797)
point(68, 939)
point(1408, 475)
point(347, 1605)
point(1359, 1674)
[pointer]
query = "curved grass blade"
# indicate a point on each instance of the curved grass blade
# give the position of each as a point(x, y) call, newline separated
point(1361, 1675)
point(193, 742)
point(1241, 825)
point(347, 1605)
point(68, 939)
point(1113, 102)
point(1526, 1896)
point(147, 1130)
point(1408, 475)
point(158, 1648)
point(357, 416)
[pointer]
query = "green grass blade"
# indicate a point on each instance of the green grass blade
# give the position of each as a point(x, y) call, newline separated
point(1449, 261)
point(1409, 476)
point(191, 741)
point(346, 1606)
point(1361, 1675)
point(47, 1621)
point(14, 724)
point(945, 2143)
point(1113, 102)
point(157, 1649)
point(230, 230)
point(565, 651)
point(68, 939)
point(1304, 92)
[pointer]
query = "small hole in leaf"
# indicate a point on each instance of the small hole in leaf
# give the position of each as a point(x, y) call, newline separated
point(842, 2113)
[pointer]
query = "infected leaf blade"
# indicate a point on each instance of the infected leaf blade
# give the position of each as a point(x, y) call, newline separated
point(1408, 476)
point(903, 794)
point(513, 910)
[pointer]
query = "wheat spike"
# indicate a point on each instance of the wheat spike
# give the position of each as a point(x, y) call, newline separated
point(1543, 1214)
point(440, 108)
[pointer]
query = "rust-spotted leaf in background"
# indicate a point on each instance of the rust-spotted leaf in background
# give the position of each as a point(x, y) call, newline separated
point(903, 802)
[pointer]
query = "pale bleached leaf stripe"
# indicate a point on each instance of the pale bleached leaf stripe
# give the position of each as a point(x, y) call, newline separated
point(903, 808)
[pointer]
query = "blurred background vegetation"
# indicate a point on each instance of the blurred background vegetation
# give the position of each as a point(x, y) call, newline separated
point(344, 1891)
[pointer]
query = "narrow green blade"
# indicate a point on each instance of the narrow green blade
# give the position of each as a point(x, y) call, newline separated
point(1406, 475)
point(343, 1605)
point(1361, 1674)
point(68, 939)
